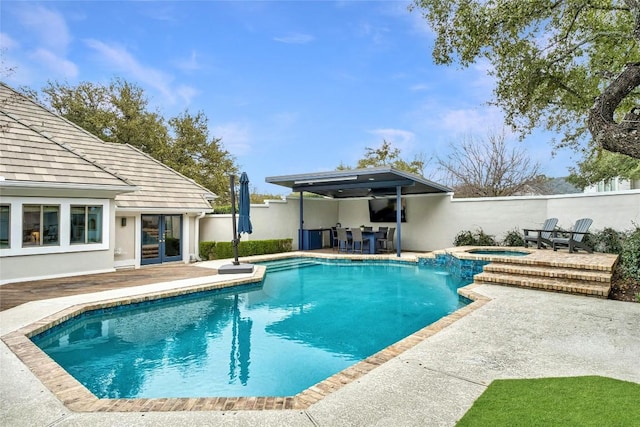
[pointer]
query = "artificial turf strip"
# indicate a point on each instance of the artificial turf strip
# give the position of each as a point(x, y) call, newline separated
point(574, 401)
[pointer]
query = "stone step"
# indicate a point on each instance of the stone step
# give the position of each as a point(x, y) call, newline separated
point(549, 272)
point(581, 287)
point(580, 263)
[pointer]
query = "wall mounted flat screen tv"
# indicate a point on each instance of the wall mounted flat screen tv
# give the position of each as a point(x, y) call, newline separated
point(384, 210)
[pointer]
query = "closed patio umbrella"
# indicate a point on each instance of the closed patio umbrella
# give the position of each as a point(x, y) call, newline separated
point(244, 222)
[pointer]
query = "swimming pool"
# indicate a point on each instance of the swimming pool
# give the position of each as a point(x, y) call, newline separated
point(301, 325)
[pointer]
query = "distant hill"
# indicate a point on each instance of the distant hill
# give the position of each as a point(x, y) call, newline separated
point(561, 186)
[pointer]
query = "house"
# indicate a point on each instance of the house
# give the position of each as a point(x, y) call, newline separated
point(73, 204)
point(613, 184)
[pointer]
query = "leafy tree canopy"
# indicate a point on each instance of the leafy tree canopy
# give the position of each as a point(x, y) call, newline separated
point(602, 166)
point(570, 66)
point(119, 112)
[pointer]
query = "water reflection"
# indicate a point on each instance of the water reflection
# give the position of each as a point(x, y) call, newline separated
point(240, 355)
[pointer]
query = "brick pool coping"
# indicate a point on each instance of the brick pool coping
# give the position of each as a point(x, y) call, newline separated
point(79, 399)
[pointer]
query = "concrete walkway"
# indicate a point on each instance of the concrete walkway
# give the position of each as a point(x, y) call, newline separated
point(518, 334)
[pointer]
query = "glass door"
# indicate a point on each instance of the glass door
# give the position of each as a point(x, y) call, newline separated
point(161, 238)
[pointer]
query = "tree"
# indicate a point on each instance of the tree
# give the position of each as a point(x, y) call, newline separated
point(260, 198)
point(119, 113)
point(194, 154)
point(603, 166)
point(488, 168)
point(567, 65)
point(114, 113)
point(387, 155)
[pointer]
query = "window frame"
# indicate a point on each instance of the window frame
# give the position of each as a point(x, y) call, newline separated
point(37, 236)
point(17, 235)
point(6, 231)
point(86, 225)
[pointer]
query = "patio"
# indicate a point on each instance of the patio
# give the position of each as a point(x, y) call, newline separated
point(516, 333)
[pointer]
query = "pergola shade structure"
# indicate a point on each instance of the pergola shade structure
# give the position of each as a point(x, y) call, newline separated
point(359, 183)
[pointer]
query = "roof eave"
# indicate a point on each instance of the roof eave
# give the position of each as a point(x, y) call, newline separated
point(350, 180)
point(57, 189)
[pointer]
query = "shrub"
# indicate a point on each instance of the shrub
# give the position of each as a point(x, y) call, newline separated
point(479, 238)
point(607, 241)
point(223, 250)
point(225, 209)
point(630, 255)
point(485, 239)
point(513, 238)
point(207, 249)
point(464, 238)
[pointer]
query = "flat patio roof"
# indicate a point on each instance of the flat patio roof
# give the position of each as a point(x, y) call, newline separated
point(351, 183)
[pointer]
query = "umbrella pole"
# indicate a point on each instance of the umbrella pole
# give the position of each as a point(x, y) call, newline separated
point(233, 219)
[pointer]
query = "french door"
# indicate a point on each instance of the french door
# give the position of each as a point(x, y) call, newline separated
point(161, 238)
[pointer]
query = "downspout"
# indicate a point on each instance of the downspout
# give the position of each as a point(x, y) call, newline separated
point(197, 236)
point(301, 232)
point(398, 219)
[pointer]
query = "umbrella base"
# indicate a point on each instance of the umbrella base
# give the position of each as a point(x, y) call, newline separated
point(235, 269)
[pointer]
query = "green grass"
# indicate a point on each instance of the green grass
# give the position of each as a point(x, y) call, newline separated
point(575, 401)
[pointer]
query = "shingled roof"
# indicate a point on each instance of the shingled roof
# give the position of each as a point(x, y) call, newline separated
point(38, 146)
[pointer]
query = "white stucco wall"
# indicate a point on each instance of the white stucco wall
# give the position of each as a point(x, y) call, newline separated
point(125, 241)
point(618, 210)
point(275, 219)
point(19, 262)
point(434, 220)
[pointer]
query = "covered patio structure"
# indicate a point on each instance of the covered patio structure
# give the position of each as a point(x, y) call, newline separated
point(369, 183)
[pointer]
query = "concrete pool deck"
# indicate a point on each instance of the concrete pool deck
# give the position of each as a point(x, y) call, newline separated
point(517, 334)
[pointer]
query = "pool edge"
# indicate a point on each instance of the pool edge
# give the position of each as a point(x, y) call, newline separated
point(77, 398)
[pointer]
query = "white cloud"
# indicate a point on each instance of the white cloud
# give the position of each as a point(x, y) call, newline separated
point(121, 60)
point(417, 22)
point(482, 81)
point(189, 64)
point(235, 137)
point(376, 33)
point(295, 38)
point(401, 139)
point(187, 93)
point(420, 87)
point(50, 27)
point(159, 11)
point(471, 121)
point(49, 39)
point(57, 64)
point(6, 42)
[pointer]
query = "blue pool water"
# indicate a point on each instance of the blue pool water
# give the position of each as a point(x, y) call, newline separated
point(277, 338)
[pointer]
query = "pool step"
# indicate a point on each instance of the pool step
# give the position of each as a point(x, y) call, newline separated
point(549, 272)
point(577, 280)
point(288, 264)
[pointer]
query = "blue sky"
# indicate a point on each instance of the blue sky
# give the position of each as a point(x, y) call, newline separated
point(290, 86)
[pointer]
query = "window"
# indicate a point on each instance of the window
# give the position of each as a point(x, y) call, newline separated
point(40, 225)
point(5, 226)
point(86, 224)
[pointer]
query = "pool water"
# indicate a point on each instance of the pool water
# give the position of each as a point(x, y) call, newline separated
point(300, 326)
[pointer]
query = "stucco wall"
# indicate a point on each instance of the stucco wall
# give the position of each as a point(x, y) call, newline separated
point(19, 262)
point(34, 267)
point(434, 220)
point(125, 241)
point(275, 219)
